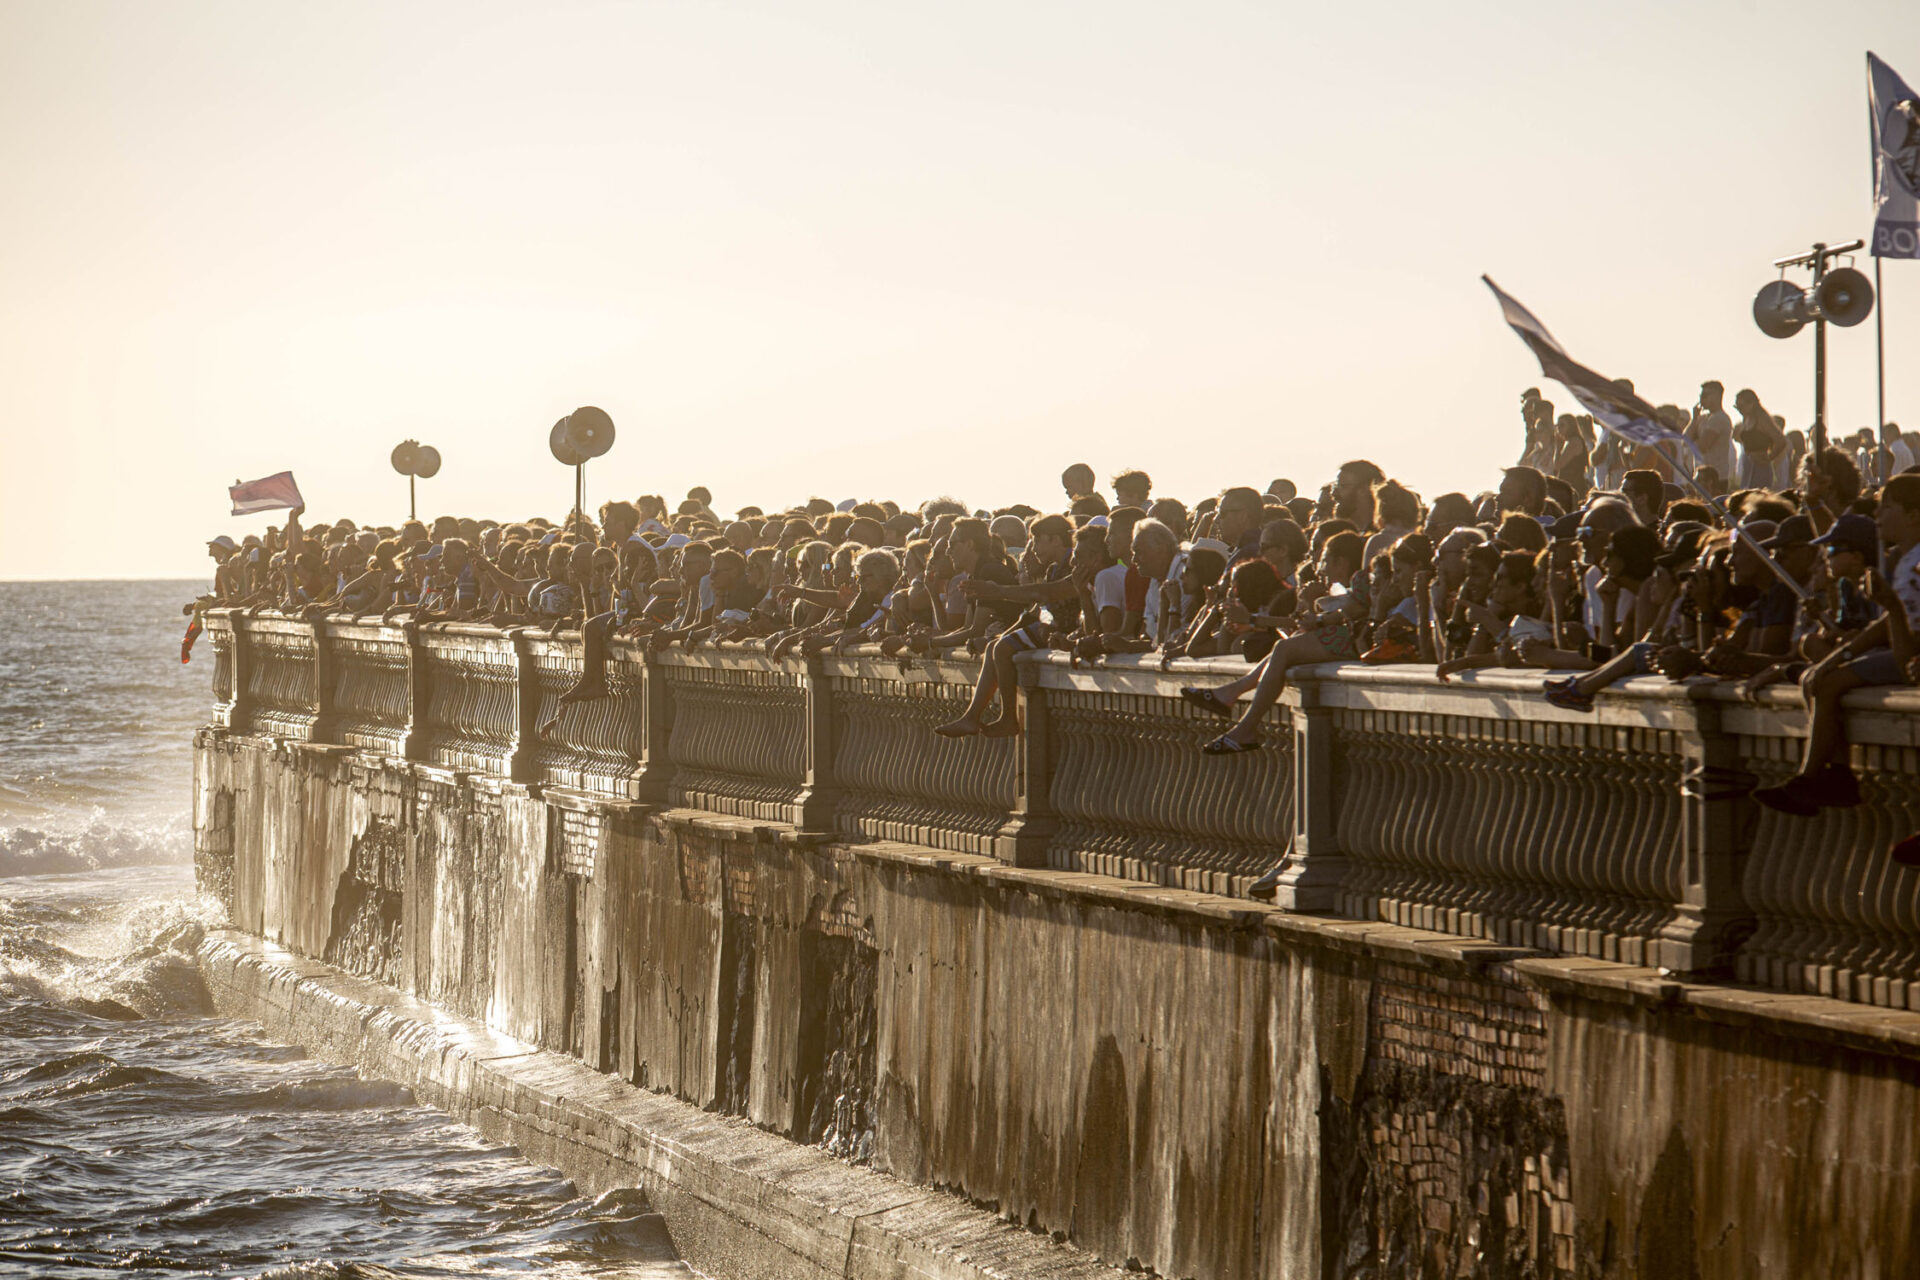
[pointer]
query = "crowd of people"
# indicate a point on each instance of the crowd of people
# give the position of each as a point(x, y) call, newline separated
point(1763, 561)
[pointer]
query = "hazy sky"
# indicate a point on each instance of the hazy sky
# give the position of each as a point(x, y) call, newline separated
point(881, 249)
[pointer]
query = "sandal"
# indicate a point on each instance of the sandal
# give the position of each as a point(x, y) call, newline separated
point(1226, 746)
point(1195, 696)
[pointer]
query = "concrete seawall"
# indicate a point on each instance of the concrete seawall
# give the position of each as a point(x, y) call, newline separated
point(1156, 1076)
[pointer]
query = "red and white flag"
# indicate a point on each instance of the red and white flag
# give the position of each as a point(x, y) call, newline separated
point(272, 493)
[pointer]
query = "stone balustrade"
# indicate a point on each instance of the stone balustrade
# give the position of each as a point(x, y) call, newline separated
point(1469, 807)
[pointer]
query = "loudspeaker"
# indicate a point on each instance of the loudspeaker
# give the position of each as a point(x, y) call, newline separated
point(1845, 297)
point(426, 462)
point(404, 455)
point(1780, 309)
point(560, 441)
point(591, 429)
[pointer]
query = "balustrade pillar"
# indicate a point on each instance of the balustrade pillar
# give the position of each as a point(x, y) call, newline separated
point(413, 739)
point(654, 769)
point(1023, 841)
point(325, 717)
point(239, 708)
point(1712, 919)
point(1316, 864)
point(813, 807)
point(521, 764)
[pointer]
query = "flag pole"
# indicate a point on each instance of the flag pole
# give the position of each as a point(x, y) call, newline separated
point(1880, 342)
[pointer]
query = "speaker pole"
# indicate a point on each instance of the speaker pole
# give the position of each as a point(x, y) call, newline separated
point(1819, 357)
point(1880, 344)
point(413, 506)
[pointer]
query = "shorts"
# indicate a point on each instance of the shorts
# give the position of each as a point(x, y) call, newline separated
point(1035, 635)
point(1337, 639)
point(1877, 666)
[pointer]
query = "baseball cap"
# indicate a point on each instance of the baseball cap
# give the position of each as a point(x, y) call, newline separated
point(224, 543)
point(846, 504)
point(1852, 532)
point(1794, 531)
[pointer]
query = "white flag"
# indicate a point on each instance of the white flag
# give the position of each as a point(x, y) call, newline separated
point(1612, 405)
point(1895, 109)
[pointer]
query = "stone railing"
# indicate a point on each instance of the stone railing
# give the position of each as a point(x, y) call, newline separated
point(1471, 808)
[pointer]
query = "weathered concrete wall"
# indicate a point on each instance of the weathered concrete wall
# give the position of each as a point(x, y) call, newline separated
point(1195, 1084)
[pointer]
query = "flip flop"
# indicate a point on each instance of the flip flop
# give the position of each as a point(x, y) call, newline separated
point(1225, 746)
point(1194, 696)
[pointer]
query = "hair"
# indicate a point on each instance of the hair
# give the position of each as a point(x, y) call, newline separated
point(879, 568)
point(1521, 532)
point(1132, 480)
point(1361, 469)
point(700, 494)
point(1255, 582)
point(1153, 531)
point(972, 529)
point(1636, 546)
point(1841, 475)
point(1346, 545)
point(1302, 509)
point(1077, 480)
point(1286, 535)
point(1644, 481)
point(1172, 513)
point(936, 507)
point(869, 511)
point(1207, 565)
point(1413, 551)
point(835, 530)
point(729, 558)
point(1089, 504)
point(1687, 509)
point(866, 530)
point(1054, 526)
point(1903, 490)
point(1455, 508)
point(1240, 496)
point(1396, 505)
point(1531, 481)
point(1517, 565)
point(1767, 506)
point(1124, 519)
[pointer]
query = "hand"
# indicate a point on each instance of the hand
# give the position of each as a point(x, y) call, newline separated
point(1676, 662)
point(975, 589)
point(1237, 613)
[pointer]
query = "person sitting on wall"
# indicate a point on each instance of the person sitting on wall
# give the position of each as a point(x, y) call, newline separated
point(1051, 615)
point(1878, 655)
point(1330, 637)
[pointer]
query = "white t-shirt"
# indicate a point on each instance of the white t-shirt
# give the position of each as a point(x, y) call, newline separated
point(1622, 609)
point(1715, 434)
point(1110, 589)
point(1906, 584)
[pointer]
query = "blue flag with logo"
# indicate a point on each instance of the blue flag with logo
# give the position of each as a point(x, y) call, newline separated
point(1895, 110)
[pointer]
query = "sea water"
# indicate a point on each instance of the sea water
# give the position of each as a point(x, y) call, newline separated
point(139, 1134)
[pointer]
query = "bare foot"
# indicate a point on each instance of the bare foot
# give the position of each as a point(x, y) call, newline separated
point(964, 727)
point(585, 691)
point(1002, 727)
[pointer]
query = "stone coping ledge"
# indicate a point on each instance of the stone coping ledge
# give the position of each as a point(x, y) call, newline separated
point(1868, 1028)
point(786, 1199)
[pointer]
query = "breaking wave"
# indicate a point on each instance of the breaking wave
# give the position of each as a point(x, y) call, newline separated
point(93, 845)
